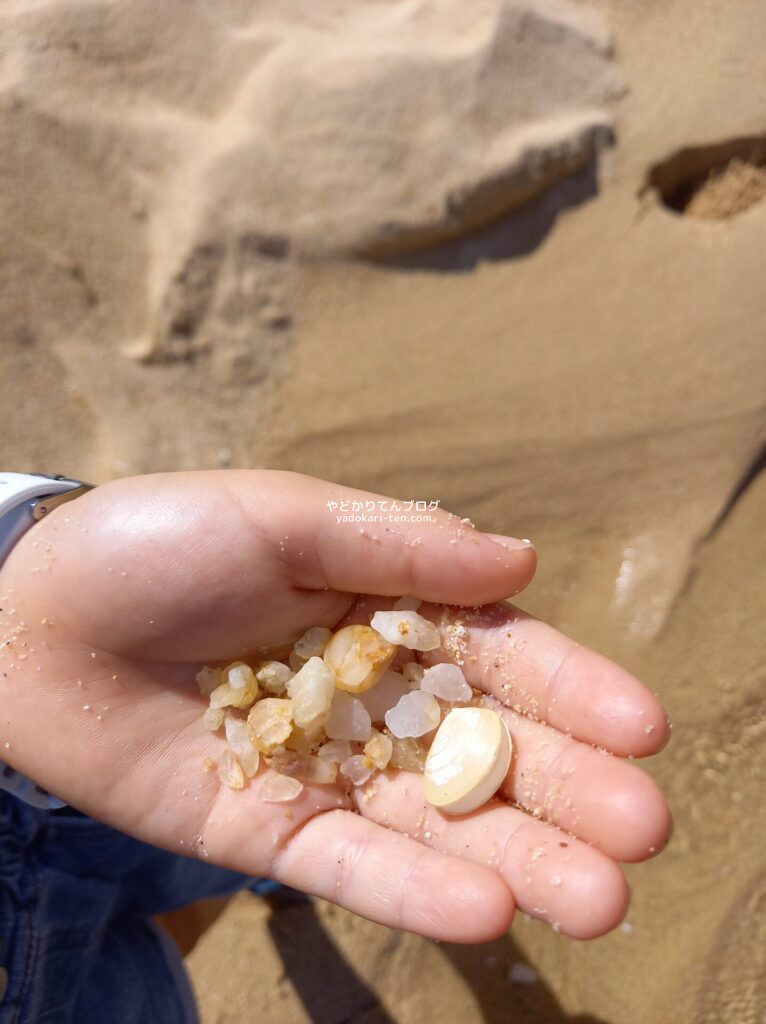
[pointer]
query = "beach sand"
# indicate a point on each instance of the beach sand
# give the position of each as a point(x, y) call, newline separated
point(345, 239)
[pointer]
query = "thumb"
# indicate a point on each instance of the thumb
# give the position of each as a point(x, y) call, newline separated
point(361, 542)
point(210, 565)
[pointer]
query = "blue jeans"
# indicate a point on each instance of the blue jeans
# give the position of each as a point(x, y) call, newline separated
point(77, 943)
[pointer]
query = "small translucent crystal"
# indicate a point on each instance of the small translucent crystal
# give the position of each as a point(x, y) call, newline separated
point(378, 749)
point(207, 680)
point(416, 714)
point(270, 722)
point(308, 716)
point(276, 788)
point(311, 689)
point(408, 755)
point(446, 682)
point(384, 695)
point(228, 696)
point(296, 662)
point(357, 769)
point(413, 672)
point(272, 676)
point(358, 656)
point(407, 629)
point(335, 750)
point(304, 766)
point(312, 643)
point(305, 742)
point(213, 718)
point(240, 675)
point(239, 740)
point(230, 770)
point(349, 719)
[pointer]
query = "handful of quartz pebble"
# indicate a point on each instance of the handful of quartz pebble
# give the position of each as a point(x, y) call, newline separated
point(338, 708)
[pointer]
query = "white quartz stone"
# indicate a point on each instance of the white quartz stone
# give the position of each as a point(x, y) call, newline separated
point(349, 719)
point(407, 629)
point(446, 682)
point(416, 714)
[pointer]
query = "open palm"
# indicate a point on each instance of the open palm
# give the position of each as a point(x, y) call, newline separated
point(113, 603)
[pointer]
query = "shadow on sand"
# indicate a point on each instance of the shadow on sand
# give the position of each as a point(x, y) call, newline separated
point(295, 927)
point(515, 235)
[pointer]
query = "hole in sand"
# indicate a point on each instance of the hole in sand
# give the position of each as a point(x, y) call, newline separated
point(712, 182)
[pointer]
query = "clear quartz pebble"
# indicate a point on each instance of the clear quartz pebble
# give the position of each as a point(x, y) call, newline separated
point(208, 679)
point(357, 769)
point(230, 771)
point(413, 673)
point(239, 740)
point(358, 656)
point(305, 742)
point(228, 696)
point(311, 690)
point(409, 755)
point(349, 719)
point(408, 603)
point(270, 722)
point(416, 714)
point(378, 749)
point(273, 676)
point(277, 789)
point(312, 643)
point(335, 750)
point(446, 682)
point(407, 629)
point(305, 767)
point(239, 676)
point(296, 662)
point(213, 718)
point(384, 695)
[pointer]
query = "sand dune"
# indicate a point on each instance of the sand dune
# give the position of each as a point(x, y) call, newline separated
point(374, 128)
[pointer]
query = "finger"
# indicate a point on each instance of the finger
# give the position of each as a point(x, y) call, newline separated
point(531, 667)
point(605, 801)
point(433, 554)
point(208, 566)
point(552, 875)
point(316, 844)
point(394, 880)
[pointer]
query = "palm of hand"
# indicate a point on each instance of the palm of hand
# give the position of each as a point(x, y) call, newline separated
point(113, 604)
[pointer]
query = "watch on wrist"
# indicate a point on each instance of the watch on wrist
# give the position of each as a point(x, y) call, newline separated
point(25, 499)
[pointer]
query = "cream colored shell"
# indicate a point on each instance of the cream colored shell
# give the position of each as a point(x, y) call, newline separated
point(468, 760)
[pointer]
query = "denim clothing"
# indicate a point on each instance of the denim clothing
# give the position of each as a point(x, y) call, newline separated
point(27, 790)
point(77, 943)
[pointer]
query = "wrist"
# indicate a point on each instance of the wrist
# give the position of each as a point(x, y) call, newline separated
point(25, 499)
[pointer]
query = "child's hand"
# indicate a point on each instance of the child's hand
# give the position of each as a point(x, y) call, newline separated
point(114, 602)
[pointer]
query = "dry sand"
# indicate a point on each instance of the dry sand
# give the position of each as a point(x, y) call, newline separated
point(421, 248)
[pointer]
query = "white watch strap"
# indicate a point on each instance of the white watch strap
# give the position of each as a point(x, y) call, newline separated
point(22, 503)
point(16, 488)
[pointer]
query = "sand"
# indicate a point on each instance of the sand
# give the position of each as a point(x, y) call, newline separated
point(524, 243)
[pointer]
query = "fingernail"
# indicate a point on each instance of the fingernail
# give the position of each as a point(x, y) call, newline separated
point(510, 543)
